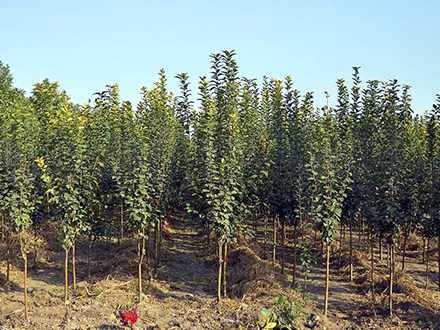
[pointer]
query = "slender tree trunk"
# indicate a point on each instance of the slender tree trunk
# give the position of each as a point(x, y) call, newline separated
point(24, 254)
point(360, 234)
point(220, 262)
point(340, 249)
point(283, 240)
point(66, 276)
point(426, 260)
point(89, 259)
point(274, 243)
point(373, 297)
point(424, 250)
point(224, 269)
point(8, 254)
point(73, 268)
point(156, 247)
point(327, 277)
point(438, 250)
point(149, 249)
point(26, 308)
point(294, 256)
point(265, 234)
point(391, 277)
point(141, 253)
point(122, 221)
point(351, 252)
point(159, 256)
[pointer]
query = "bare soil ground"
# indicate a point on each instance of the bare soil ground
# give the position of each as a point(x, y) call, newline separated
point(183, 296)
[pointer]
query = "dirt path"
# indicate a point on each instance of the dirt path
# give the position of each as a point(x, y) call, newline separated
point(183, 266)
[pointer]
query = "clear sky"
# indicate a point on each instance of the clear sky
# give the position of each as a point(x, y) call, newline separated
point(85, 45)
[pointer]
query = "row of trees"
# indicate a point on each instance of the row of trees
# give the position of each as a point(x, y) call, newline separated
point(247, 152)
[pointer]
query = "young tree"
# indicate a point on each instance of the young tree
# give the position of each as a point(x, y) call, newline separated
point(330, 171)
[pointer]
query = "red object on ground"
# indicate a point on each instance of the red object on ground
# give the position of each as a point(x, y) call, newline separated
point(128, 318)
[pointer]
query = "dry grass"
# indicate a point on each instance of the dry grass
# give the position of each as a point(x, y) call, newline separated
point(249, 274)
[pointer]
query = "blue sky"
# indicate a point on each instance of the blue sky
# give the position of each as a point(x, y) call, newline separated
point(85, 45)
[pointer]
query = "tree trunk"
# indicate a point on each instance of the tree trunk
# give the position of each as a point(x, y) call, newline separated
point(424, 250)
point(159, 252)
point(340, 249)
point(8, 254)
point(156, 247)
point(426, 260)
point(66, 276)
point(149, 250)
point(391, 277)
point(265, 234)
point(224, 269)
point(294, 256)
point(327, 277)
point(373, 297)
point(122, 221)
point(141, 253)
point(24, 254)
point(438, 249)
point(89, 259)
point(73, 268)
point(26, 308)
point(219, 279)
point(274, 243)
point(283, 236)
point(351, 253)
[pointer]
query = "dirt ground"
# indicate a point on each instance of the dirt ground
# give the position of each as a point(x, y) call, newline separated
point(183, 295)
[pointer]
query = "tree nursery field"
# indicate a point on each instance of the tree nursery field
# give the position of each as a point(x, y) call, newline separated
point(254, 210)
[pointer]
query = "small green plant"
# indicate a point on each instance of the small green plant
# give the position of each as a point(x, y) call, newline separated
point(289, 312)
point(284, 315)
point(271, 321)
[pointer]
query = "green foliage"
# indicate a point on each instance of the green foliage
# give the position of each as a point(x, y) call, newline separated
point(330, 171)
point(284, 315)
point(308, 256)
point(271, 322)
